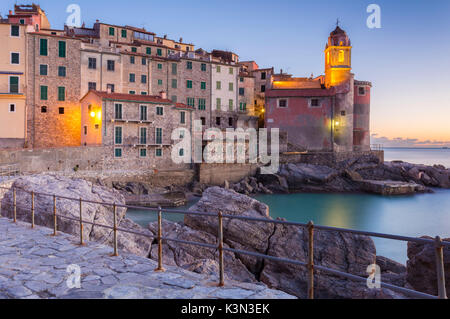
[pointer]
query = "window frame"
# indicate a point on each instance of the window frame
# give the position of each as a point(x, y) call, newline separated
point(61, 67)
point(364, 88)
point(41, 41)
point(115, 135)
point(310, 103)
point(11, 31)
point(143, 138)
point(61, 89)
point(111, 65)
point(94, 63)
point(10, 85)
point(60, 53)
point(143, 116)
point(279, 103)
point(118, 111)
point(41, 96)
point(46, 69)
point(14, 108)
point(115, 152)
point(160, 129)
point(11, 58)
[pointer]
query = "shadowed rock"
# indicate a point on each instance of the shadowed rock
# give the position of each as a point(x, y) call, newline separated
point(421, 267)
point(68, 211)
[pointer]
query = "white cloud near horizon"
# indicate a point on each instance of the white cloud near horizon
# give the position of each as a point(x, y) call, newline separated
point(407, 142)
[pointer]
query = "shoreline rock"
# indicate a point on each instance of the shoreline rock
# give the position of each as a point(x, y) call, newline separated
point(97, 214)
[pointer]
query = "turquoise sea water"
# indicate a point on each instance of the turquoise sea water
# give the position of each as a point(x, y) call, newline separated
point(418, 215)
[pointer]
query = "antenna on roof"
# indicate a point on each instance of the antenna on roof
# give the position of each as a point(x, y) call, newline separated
point(337, 22)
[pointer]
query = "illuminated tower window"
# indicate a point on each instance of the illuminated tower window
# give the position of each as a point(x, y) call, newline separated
point(341, 56)
point(328, 57)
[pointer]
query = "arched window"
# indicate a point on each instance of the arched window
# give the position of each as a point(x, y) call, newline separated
point(341, 56)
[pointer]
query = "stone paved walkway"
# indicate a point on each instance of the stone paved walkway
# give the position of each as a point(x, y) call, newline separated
point(34, 265)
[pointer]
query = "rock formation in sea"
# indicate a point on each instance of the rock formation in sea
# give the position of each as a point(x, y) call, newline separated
point(421, 270)
point(359, 174)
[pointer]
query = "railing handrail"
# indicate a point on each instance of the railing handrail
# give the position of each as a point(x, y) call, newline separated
point(439, 244)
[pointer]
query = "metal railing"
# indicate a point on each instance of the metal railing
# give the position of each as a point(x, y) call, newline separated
point(9, 171)
point(376, 147)
point(310, 227)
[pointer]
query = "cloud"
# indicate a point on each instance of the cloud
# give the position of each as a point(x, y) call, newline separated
point(406, 142)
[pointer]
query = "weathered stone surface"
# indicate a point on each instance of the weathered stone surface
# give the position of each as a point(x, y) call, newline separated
point(99, 214)
point(391, 188)
point(421, 267)
point(188, 256)
point(253, 236)
point(102, 276)
point(306, 173)
point(344, 252)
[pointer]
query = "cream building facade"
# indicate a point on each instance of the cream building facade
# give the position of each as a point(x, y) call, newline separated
point(13, 63)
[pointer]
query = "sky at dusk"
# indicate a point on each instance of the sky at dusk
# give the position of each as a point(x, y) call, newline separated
point(407, 60)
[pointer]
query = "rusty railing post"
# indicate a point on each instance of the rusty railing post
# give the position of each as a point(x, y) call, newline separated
point(32, 209)
point(81, 223)
point(310, 260)
point(439, 251)
point(54, 216)
point(160, 248)
point(115, 254)
point(220, 247)
point(14, 206)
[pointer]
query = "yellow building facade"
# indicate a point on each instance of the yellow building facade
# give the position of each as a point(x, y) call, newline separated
point(13, 61)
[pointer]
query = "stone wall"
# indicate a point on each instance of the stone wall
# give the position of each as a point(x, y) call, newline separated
point(325, 158)
point(217, 174)
point(50, 122)
point(92, 158)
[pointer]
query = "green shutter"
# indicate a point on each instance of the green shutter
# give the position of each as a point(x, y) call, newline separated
point(61, 93)
point(149, 51)
point(159, 52)
point(44, 92)
point(203, 85)
point(124, 33)
point(118, 135)
point(111, 31)
point(14, 84)
point(43, 47)
point(62, 49)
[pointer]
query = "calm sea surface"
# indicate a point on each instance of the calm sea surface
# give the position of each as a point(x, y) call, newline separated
point(427, 214)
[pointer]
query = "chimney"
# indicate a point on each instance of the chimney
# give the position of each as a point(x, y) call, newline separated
point(165, 36)
point(281, 71)
point(181, 40)
point(163, 95)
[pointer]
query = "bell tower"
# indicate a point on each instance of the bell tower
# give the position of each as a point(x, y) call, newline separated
point(338, 58)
